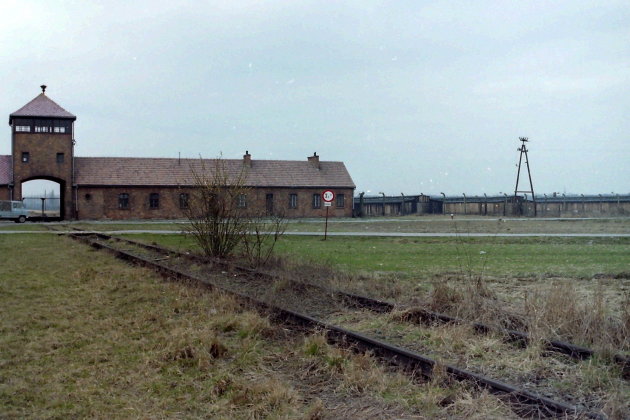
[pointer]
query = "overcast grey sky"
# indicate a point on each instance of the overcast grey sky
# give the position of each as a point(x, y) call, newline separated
point(414, 96)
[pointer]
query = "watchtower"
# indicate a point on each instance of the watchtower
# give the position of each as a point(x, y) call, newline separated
point(42, 147)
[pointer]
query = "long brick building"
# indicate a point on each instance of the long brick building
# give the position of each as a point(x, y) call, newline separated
point(42, 147)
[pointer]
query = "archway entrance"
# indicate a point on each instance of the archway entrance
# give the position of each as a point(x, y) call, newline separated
point(44, 198)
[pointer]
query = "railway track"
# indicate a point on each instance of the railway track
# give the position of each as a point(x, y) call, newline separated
point(525, 403)
point(416, 315)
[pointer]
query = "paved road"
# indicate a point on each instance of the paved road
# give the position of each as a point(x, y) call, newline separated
point(425, 219)
point(367, 234)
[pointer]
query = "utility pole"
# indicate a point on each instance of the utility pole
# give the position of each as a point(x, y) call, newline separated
point(523, 150)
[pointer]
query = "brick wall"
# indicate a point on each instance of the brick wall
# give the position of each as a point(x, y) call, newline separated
point(42, 163)
point(5, 194)
point(103, 202)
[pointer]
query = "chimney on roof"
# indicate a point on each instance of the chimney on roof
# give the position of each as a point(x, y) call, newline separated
point(314, 160)
point(43, 88)
point(247, 159)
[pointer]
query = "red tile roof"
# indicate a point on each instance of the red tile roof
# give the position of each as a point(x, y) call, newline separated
point(42, 106)
point(5, 169)
point(114, 171)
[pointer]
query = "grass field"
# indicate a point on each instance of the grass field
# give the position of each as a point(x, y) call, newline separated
point(465, 224)
point(83, 335)
point(426, 257)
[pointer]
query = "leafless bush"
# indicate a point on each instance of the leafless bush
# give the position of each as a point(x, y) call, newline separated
point(220, 220)
point(261, 238)
point(216, 221)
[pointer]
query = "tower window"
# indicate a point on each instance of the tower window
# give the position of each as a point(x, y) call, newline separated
point(43, 126)
point(23, 125)
point(26, 157)
point(60, 157)
point(123, 201)
point(293, 201)
point(154, 201)
point(61, 126)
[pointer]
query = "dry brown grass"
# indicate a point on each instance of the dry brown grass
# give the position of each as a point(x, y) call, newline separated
point(558, 311)
point(595, 383)
point(361, 373)
point(472, 301)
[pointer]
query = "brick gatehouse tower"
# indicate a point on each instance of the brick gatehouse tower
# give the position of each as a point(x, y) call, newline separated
point(117, 188)
point(42, 147)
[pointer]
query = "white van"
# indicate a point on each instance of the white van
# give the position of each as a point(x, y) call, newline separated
point(13, 210)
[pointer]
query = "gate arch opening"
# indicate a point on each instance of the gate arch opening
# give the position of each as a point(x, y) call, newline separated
point(44, 198)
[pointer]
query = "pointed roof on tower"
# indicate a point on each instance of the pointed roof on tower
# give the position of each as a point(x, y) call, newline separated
point(42, 106)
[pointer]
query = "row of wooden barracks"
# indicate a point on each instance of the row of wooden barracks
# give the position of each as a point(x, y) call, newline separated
point(553, 205)
point(42, 147)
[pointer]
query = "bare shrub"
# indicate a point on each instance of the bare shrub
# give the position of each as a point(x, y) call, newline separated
point(217, 223)
point(220, 220)
point(263, 234)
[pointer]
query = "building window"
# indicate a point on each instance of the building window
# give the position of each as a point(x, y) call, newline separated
point(293, 201)
point(183, 200)
point(60, 157)
point(26, 157)
point(123, 201)
point(317, 201)
point(23, 125)
point(45, 126)
point(61, 126)
point(341, 200)
point(154, 201)
point(241, 201)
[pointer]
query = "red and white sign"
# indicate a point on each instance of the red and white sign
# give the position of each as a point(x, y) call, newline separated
point(328, 196)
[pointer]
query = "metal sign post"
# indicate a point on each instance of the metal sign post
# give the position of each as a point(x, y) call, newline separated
point(328, 196)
